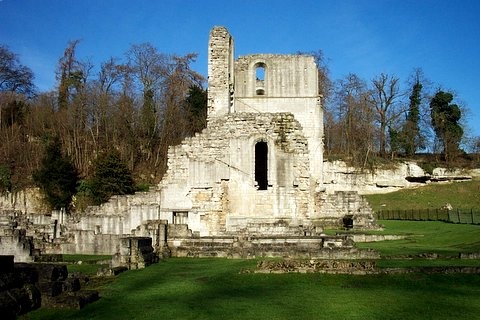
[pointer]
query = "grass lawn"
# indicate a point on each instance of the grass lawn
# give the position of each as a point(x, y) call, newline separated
point(89, 263)
point(183, 288)
point(214, 289)
point(443, 238)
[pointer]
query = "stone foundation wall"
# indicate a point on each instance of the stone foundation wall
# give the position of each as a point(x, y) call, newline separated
point(327, 247)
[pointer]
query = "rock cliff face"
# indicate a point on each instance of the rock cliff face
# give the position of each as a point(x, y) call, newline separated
point(338, 176)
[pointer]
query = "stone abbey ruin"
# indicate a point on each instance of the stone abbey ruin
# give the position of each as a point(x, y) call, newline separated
point(251, 184)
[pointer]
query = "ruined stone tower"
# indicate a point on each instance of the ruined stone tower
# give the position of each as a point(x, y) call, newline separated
point(259, 160)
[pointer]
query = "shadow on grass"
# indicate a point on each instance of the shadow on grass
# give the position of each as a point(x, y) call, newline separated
point(214, 289)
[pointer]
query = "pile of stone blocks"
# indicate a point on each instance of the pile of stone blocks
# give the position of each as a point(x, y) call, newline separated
point(18, 291)
point(27, 286)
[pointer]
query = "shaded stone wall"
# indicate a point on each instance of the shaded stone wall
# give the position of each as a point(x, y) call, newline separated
point(16, 243)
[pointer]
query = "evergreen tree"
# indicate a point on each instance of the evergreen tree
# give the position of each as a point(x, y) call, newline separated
point(5, 178)
point(411, 130)
point(57, 177)
point(445, 122)
point(111, 177)
point(197, 108)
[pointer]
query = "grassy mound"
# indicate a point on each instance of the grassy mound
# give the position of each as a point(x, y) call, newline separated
point(461, 195)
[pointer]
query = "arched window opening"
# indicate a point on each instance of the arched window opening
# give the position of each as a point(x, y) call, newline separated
point(260, 72)
point(260, 79)
point(261, 165)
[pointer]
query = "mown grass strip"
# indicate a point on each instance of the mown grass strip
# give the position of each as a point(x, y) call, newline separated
point(443, 238)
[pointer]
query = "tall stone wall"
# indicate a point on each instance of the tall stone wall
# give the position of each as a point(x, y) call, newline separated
point(26, 201)
point(285, 76)
point(290, 84)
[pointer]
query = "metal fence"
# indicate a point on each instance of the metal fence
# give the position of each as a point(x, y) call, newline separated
point(469, 216)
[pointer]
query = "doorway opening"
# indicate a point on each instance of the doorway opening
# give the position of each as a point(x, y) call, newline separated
point(261, 165)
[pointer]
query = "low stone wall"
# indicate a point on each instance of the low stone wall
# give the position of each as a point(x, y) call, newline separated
point(327, 247)
point(317, 266)
point(346, 266)
point(471, 255)
point(430, 270)
point(84, 242)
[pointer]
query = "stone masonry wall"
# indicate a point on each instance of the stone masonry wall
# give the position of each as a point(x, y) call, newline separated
point(220, 71)
point(210, 175)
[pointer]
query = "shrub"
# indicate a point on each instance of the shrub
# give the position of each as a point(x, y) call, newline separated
point(111, 176)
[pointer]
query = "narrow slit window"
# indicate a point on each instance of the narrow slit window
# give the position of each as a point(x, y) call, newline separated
point(261, 165)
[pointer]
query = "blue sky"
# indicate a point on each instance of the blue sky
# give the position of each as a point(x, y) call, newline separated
point(366, 37)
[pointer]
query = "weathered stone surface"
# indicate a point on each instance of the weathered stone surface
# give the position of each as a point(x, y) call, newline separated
point(471, 255)
point(338, 176)
point(18, 244)
point(318, 266)
point(135, 253)
point(17, 301)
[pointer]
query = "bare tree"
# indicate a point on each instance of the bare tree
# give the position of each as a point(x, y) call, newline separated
point(385, 96)
point(351, 135)
point(14, 77)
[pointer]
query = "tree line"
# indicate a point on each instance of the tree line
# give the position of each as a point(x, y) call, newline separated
point(120, 120)
point(132, 109)
point(367, 122)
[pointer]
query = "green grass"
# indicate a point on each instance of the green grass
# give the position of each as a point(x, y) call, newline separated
point(214, 289)
point(461, 195)
point(85, 258)
point(443, 238)
point(88, 269)
point(183, 288)
point(90, 263)
point(412, 263)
